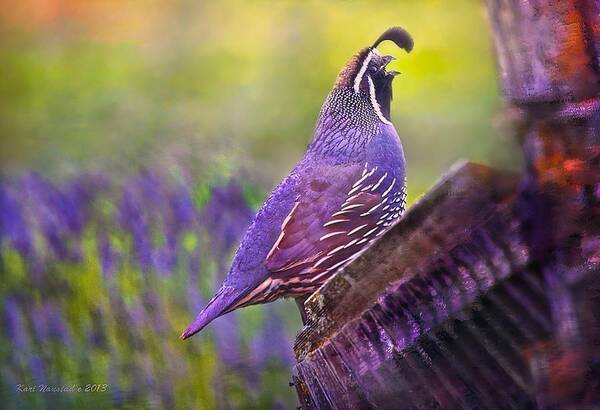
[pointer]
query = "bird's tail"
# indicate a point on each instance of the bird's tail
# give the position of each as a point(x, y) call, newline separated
point(223, 301)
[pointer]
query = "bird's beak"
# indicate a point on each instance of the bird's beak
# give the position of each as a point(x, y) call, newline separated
point(387, 60)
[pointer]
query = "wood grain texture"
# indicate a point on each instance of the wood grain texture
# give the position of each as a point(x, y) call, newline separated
point(543, 49)
point(364, 345)
point(438, 223)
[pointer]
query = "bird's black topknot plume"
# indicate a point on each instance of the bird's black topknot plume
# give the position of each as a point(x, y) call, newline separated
point(399, 36)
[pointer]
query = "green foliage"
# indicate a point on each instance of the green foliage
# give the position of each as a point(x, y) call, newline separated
point(229, 87)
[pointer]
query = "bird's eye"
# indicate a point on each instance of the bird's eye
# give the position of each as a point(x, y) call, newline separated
point(372, 69)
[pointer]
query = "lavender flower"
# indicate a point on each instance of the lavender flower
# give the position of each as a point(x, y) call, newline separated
point(81, 193)
point(182, 208)
point(228, 341)
point(116, 392)
point(226, 217)
point(194, 299)
point(271, 343)
point(160, 222)
point(38, 371)
point(39, 323)
point(132, 220)
point(151, 188)
point(48, 323)
point(154, 308)
point(59, 327)
point(50, 213)
point(13, 225)
point(13, 321)
point(109, 257)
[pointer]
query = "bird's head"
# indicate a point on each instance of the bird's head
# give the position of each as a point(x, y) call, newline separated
point(366, 72)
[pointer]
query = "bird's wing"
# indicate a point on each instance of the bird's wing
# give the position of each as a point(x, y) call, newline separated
point(334, 219)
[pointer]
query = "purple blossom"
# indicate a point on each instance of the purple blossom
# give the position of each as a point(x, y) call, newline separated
point(39, 323)
point(113, 379)
point(69, 210)
point(194, 299)
point(151, 188)
point(109, 258)
point(226, 217)
point(56, 324)
point(13, 225)
point(51, 212)
point(13, 322)
point(155, 312)
point(132, 219)
point(81, 192)
point(154, 215)
point(279, 405)
point(164, 259)
point(271, 343)
point(166, 394)
point(37, 367)
point(137, 316)
point(57, 215)
point(175, 219)
point(194, 268)
point(182, 208)
point(146, 376)
point(54, 240)
point(228, 340)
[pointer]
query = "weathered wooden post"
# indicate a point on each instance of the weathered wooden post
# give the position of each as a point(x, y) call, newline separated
point(549, 61)
point(487, 293)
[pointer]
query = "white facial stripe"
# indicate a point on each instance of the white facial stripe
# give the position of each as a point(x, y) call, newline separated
point(374, 102)
point(361, 73)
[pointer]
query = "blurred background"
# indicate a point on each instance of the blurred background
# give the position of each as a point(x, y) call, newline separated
point(136, 141)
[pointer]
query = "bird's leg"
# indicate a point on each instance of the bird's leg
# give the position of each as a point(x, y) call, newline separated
point(300, 303)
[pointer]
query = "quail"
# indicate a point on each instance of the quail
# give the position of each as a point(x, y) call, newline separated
point(345, 193)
